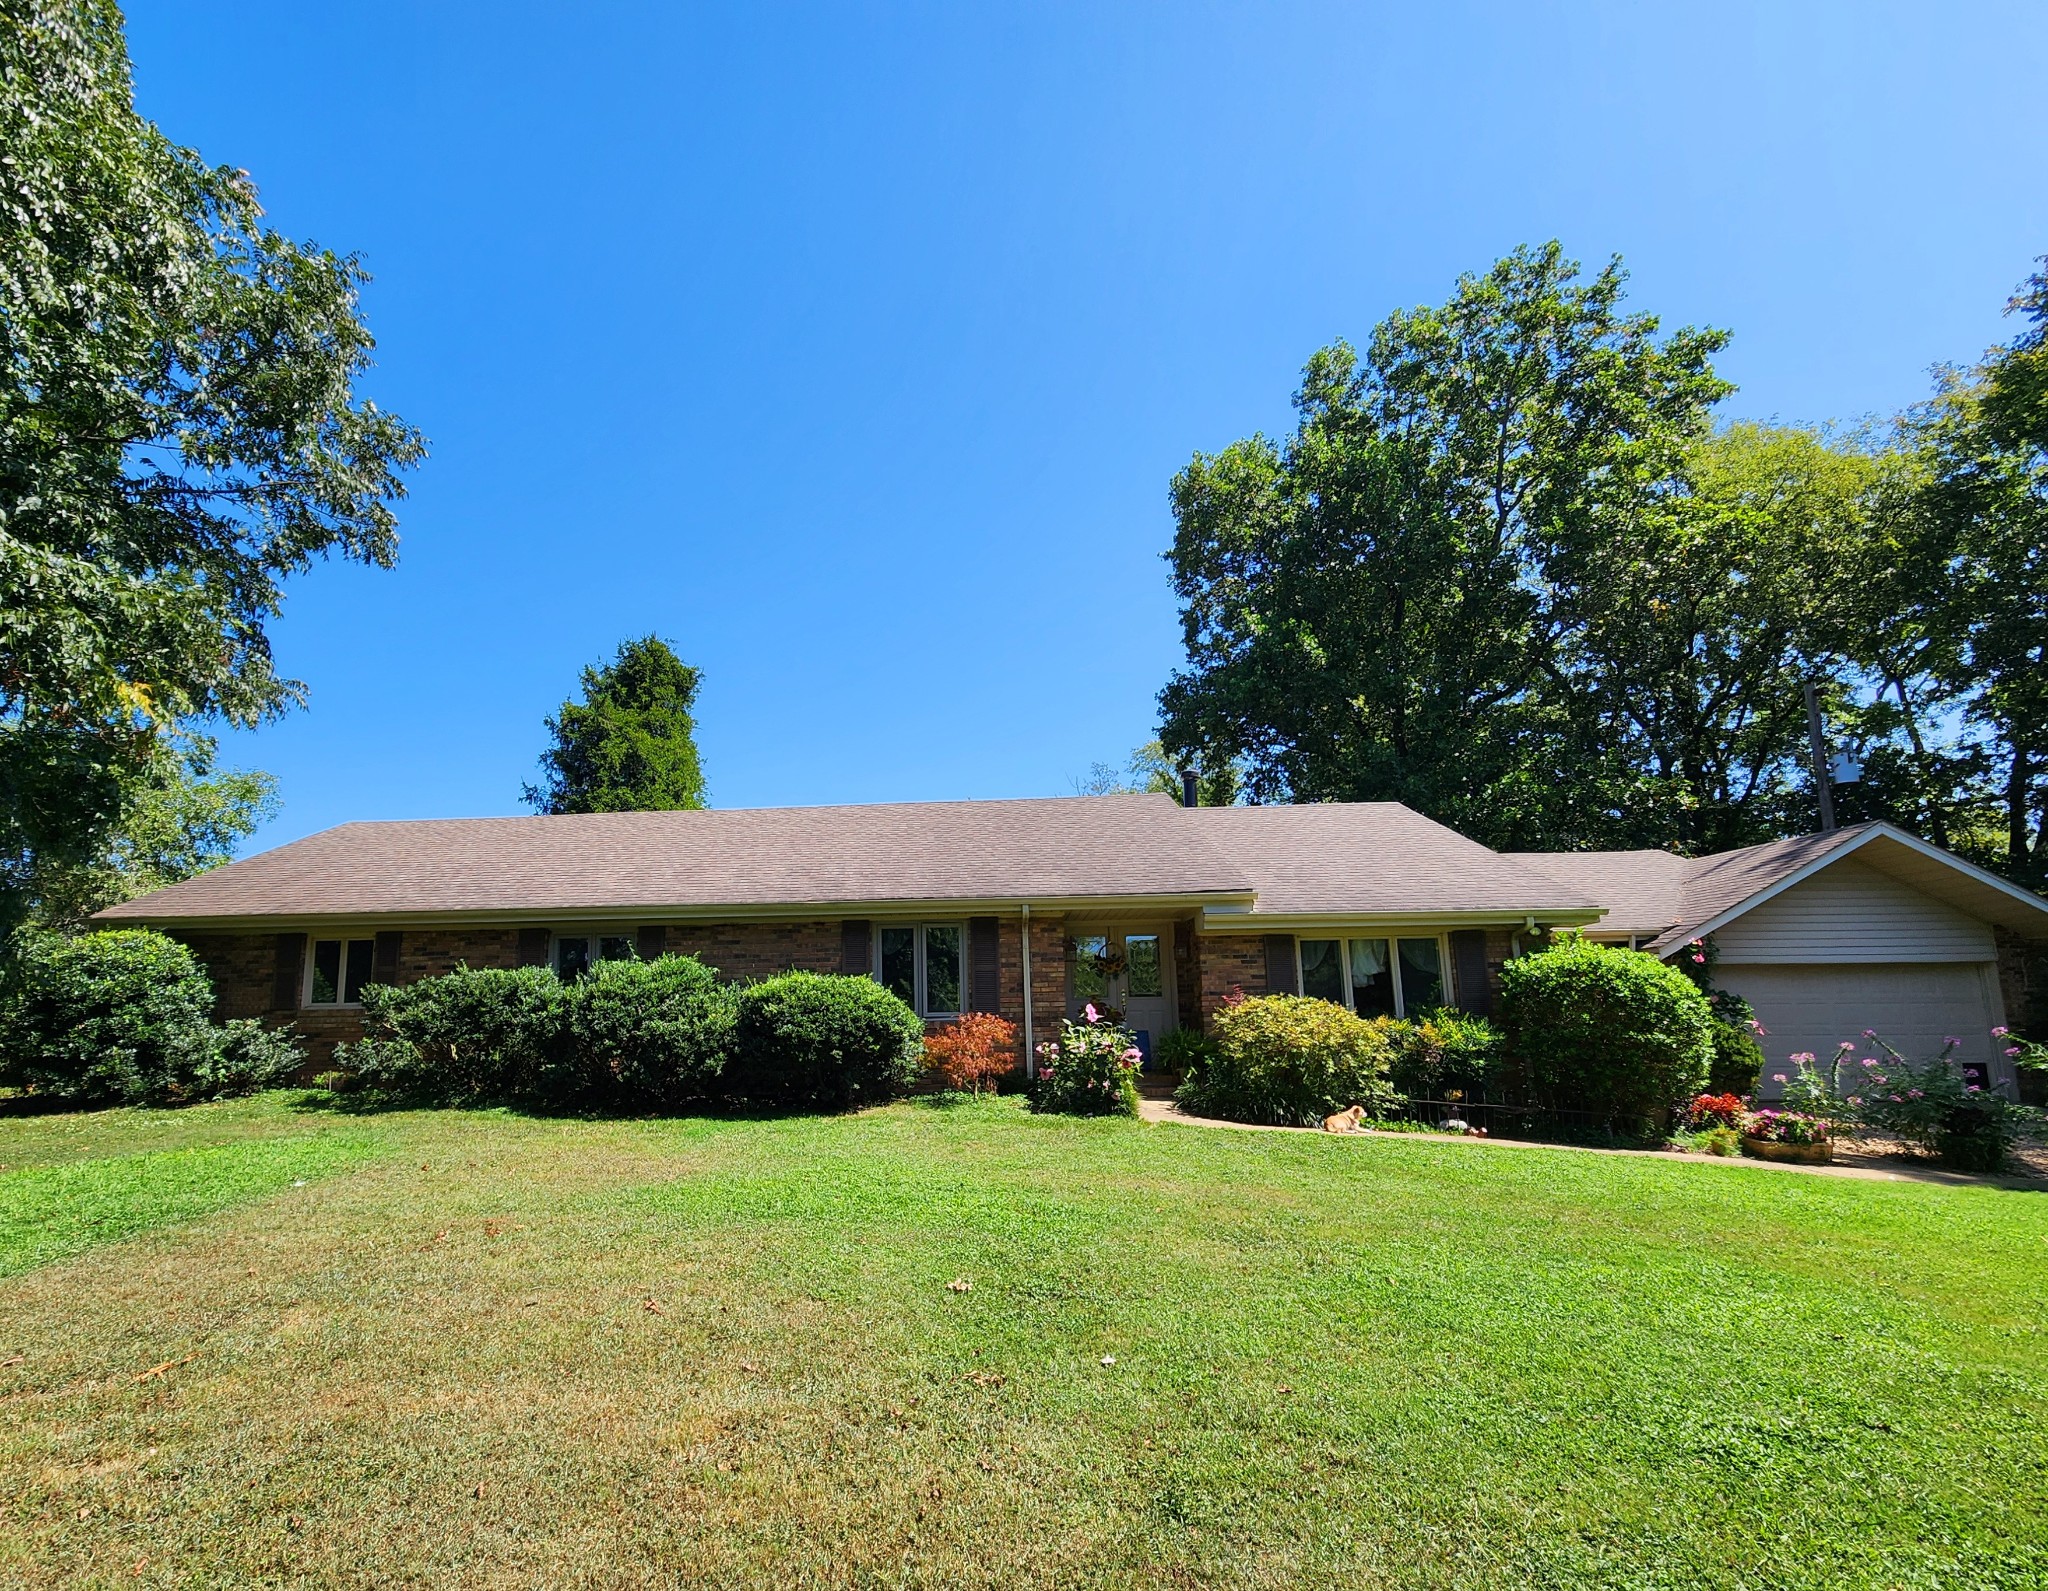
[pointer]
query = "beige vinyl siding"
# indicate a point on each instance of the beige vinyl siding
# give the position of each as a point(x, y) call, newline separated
point(1852, 912)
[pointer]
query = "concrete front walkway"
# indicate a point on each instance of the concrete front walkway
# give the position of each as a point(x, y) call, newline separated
point(1848, 1163)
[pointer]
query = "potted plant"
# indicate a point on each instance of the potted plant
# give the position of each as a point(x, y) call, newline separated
point(1792, 1135)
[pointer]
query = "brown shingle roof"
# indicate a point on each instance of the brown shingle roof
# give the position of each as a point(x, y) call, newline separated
point(1061, 848)
point(1643, 891)
point(1665, 897)
point(1368, 857)
point(1715, 883)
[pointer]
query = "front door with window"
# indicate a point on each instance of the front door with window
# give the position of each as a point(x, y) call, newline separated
point(1125, 971)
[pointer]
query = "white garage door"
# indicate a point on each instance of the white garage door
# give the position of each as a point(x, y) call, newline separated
point(1914, 1006)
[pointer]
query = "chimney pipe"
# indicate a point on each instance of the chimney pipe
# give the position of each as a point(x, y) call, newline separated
point(1189, 794)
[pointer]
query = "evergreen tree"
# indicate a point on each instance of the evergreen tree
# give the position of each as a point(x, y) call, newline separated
point(630, 744)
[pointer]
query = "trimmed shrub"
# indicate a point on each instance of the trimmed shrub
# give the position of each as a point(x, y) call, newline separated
point(651, 1035)
point(253, 1057)
point(1737, 1062)
point(474, 1036)
point(1292, 1060)
point(976, 1051)
point(814, 1038)
point(1089, 1070)
point(1613, 1032)
point(123, 1017)
point(1445, 1052)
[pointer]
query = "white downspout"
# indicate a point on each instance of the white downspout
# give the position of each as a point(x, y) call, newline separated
point(1030, 1051)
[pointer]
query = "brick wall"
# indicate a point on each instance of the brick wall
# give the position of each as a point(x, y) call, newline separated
point(1048, 975)
point(1230, 962)
point(243, 966)
point(748, 951)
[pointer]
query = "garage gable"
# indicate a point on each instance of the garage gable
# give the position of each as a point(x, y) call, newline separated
point(1849, 911)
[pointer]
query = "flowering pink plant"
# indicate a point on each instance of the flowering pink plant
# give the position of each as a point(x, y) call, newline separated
point(1090, 1070)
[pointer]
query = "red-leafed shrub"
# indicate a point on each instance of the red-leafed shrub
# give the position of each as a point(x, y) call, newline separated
point(975, 1052)
point(1715, 1110)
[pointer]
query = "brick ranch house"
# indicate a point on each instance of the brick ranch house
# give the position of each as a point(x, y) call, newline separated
point(1033, 908)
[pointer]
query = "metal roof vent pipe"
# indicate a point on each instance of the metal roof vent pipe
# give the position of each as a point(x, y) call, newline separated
point(1189, 795)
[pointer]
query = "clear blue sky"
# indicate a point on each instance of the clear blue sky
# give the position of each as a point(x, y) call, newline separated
point(852, 347)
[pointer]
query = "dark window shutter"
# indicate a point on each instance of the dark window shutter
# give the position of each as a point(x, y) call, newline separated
point(1282, 976)
point(652, 942)
point(533, 947)
point(384, 968)
point(291, 968)
point(855, 941)
point(984, 991)
point(1468, 971)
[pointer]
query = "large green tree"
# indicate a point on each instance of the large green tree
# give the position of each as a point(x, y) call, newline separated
point(1387, 606)
point(179, 432)
point(630, 745)
point(183, 815)
point(1984, 443)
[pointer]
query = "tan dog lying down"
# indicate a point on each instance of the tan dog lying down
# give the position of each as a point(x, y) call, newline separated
point(1345, 1120)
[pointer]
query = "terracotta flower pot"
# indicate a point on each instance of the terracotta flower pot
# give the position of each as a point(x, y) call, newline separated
point(1819, 1154)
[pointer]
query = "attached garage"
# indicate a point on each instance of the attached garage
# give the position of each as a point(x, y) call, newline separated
point(1850, 949)
point(1829, 936)
point(1915, 1006)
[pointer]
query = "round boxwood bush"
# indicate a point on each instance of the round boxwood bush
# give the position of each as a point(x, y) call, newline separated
point(113, 1018)
point(474, 1036)
point(1292, 1060)
point(813, 1038)
point(1615, 1033)
point(652, 1035)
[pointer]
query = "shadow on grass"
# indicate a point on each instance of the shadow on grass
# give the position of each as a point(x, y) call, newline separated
point(368, 1103)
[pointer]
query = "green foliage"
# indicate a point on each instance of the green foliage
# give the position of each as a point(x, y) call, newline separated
point(821, 1039)
point(1933, 1106)
point(1183, 1050)
point(1386, 607)
point(178, 433)
point(1291, 1060)
point(124, 1018)
point(1598, 1029)
point(652, 1035)
point(180, 818)
point(1504, 571)
point(1089, 1070)
point(474, 1036)
point(1737, 1062)
point(630, 744)
point(1441, 1053)
point(1975, 593)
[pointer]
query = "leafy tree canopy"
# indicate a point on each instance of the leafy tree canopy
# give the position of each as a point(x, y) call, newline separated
point(630, 744)
point(1980, 577)
point(1506, 571)
point(179, 432)
point(1390, 606)
point(182, 815)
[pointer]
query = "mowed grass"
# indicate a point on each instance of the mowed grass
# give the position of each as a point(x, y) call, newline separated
point(480, 1349)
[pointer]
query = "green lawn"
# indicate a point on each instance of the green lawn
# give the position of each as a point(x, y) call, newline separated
point(479, 1349)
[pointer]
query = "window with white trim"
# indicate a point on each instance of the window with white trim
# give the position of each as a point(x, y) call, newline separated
point(575, 954)
point(924, 965)
point(1393, 976)
point(337, 969)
